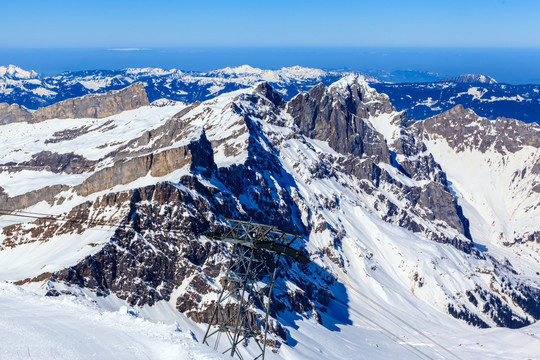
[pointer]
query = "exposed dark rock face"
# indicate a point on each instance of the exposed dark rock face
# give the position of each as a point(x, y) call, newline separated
point(339, 114)
point(269, 93)
point(495, 304)
point(76, 221)
point(414, 161)
point(158, 249)
point(336, 114)
point(442, 204)
point(162, 249)
point(70, 134)
point(30, 198)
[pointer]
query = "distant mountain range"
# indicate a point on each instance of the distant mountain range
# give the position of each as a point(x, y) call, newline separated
point(420, 100)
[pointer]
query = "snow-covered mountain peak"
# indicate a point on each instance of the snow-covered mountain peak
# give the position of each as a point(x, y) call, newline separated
point(475, 78)
point(354, 89)
point(149, 71)
point(16, 72)
point(493, 167)
point(344, 85)
point(301, 72)
point(285, 75)
point(239, 70)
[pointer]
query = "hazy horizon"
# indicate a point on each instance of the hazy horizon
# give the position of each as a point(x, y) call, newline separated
point(508, 65)
point(498, 38)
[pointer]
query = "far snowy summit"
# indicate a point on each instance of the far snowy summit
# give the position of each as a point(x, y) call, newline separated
point(15, 72)
point(473, 79)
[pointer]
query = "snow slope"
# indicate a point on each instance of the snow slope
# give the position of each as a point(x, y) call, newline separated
point(68, 328)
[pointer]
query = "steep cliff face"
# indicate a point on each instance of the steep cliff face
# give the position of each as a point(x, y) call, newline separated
point(95, 106)
point(380, 217)
point(90, 106)
point(354, 120)
point(338, 114)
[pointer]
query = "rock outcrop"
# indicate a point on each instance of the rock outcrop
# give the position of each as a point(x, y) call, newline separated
point(23, 201)
point(95, 106)
point(13, 113)
point(89, 106)
point(69, 163)
point(197, 153)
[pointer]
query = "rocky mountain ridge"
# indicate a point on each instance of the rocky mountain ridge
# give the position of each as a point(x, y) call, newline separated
point(378, 205)
point(89, 106)
point(464, 129)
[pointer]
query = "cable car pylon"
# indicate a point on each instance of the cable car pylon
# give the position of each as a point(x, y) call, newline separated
point(247, 286)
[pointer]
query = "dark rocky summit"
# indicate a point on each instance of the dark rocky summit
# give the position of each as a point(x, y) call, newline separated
point(337, 115)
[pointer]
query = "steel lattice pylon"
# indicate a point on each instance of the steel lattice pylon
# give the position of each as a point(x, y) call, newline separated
point(248, 284)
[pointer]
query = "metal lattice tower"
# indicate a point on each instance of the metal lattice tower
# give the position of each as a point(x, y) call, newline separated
point(247, 285)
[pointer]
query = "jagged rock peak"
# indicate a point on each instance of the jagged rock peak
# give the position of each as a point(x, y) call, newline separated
point(268, 92)
point(349, 80)
point(337, 115)
point(462, 128)
point(356, 85)
point(95, 106)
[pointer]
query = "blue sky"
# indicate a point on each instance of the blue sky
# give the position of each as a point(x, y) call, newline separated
point(210, 23)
